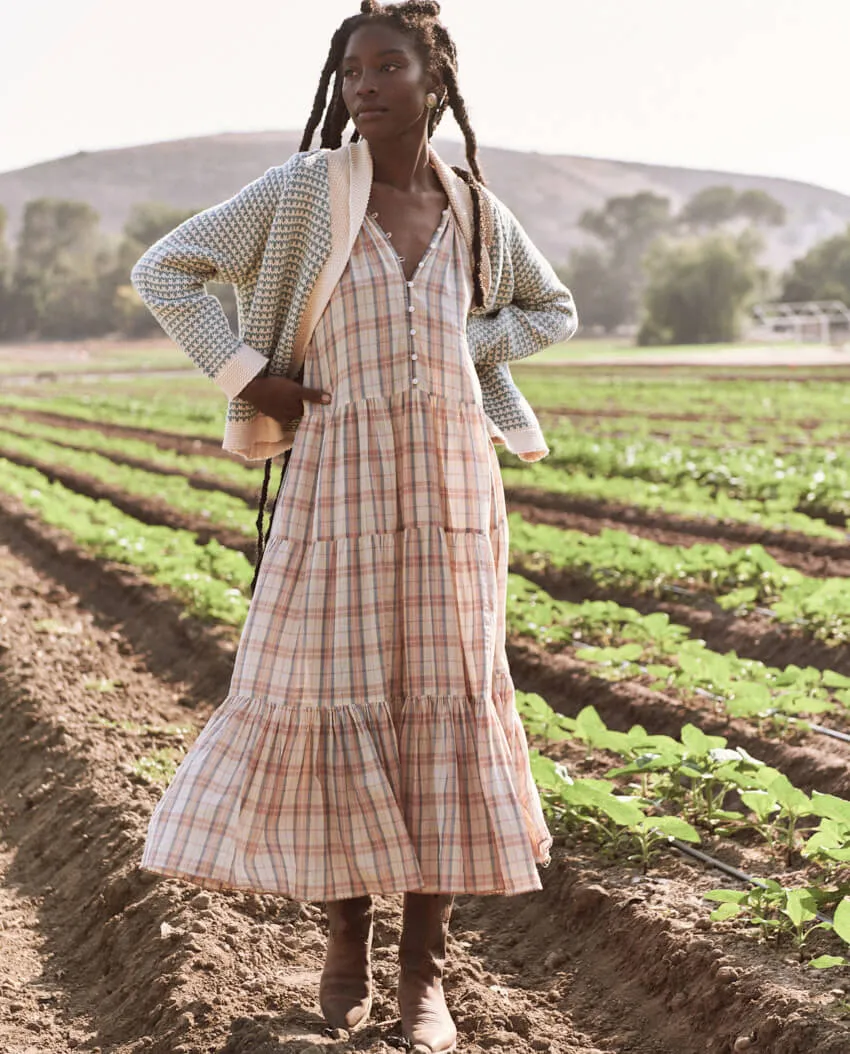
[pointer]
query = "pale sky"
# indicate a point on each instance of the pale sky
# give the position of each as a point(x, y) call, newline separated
point(757, 86)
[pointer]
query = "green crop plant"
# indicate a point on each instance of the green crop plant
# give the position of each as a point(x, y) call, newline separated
point(619, 823)
point(210, 580)
point(738, 580)
point(215, 468)
point(778, 911)
point(619, 643)
point(216, 508)
point(160, 410)
point(159, 766)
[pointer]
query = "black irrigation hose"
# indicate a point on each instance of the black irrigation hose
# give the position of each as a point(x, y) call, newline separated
point(727, 869)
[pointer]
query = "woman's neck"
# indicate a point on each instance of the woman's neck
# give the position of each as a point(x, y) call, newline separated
point(402, 164)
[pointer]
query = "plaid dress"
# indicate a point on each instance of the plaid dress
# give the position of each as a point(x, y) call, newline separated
point(370, 741)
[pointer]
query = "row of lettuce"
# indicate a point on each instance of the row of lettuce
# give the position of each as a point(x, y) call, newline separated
point(804, 489)
point(738, 580)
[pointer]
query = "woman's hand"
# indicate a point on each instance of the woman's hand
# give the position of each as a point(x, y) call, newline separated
point(281, 397)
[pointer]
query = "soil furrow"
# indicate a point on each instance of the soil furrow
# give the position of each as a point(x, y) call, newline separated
point(756, 636)
point(196, 479)
point(817, 557)
point(172, 644)
point(188, 444)
point(810, 762)
point(150, 511)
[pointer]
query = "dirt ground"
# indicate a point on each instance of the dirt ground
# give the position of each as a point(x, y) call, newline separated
point(99, 670)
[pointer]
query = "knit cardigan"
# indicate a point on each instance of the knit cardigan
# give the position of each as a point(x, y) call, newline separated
point(283, 242)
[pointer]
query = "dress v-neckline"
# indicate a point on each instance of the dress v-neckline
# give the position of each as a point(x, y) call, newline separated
point(432, 242)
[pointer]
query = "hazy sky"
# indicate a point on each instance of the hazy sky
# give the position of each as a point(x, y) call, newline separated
point(740, 85)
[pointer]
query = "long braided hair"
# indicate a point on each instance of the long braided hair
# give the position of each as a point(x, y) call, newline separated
point(418, 20)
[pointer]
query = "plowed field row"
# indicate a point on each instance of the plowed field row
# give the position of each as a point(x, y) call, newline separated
point(811, 555)
point(755, 636)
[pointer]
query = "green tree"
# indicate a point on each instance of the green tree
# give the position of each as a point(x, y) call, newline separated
point(146, 224)
point(697, 290)
point(626, 226)
point(59, 263)
point(714, 206)
point(822, 274)
point(6, 302)
point(593, 283)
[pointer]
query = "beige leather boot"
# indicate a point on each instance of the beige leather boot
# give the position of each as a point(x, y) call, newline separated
point(425, 1018)
point(345, 988)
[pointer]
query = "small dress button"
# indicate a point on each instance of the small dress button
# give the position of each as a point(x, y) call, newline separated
point(415, 380)
point(410, 285)
point(414, 356)
point(411, 308)
point(413, 333)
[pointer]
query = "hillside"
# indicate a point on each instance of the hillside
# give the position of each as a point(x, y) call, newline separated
point(548, 192)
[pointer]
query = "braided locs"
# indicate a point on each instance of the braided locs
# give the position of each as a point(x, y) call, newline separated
point(419, 20)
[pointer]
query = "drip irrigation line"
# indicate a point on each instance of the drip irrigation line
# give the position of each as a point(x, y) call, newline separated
point(823, 731)
point(820, 730)
point(727, 869)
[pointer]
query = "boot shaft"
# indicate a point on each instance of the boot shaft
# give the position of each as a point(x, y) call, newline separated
point(424, 934)
point(351, 917)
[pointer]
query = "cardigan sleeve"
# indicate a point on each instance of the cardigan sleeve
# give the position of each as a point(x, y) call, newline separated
point(537, 309)
point(224, 243)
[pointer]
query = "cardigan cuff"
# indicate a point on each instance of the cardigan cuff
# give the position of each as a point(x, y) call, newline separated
point(258, 438)
point(241, 368)
point(527, 443)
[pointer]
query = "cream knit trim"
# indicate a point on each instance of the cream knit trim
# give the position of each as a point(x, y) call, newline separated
point(527, 443)
point(240, 369)
point(255, 440)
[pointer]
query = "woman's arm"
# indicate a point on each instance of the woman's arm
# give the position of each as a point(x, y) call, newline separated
point(537, 311)
point(224, 243)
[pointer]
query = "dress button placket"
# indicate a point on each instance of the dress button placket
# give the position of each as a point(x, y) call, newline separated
point(408, 290)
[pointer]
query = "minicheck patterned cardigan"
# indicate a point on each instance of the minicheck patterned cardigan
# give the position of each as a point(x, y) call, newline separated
point(283, 241)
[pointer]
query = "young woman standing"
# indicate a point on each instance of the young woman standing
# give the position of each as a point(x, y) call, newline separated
point(370, 742)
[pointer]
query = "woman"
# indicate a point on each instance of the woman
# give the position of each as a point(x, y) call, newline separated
point(369, 743)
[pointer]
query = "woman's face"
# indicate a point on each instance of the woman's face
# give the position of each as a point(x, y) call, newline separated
point(384, 83)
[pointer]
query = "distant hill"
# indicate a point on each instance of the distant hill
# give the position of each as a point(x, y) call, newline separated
point(548, 192)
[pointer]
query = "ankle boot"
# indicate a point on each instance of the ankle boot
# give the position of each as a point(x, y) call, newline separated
point(425, 1018)
point(345, 989)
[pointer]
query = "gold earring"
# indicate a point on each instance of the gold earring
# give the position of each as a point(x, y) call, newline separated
point(431, 100)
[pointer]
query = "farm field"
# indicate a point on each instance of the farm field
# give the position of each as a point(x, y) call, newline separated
point(678, 625)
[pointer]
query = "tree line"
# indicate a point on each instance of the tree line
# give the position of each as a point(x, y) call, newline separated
point(680, 277)
point(66, 279)
point(689, 277)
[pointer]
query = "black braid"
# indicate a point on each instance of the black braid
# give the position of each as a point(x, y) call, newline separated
point(264, 493)
point(263, 541)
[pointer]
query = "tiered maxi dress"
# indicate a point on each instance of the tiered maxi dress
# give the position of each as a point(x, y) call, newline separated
point(370, 742)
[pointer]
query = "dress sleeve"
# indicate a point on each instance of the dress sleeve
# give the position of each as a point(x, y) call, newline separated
point(224, 243)
point(537, 310)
